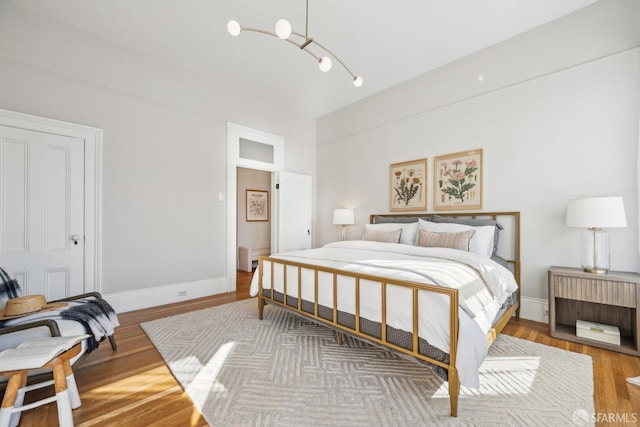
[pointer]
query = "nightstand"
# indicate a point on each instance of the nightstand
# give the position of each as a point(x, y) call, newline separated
point(611, 299)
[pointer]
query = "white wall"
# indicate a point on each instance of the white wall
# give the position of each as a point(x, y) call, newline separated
point(164, 160)
point(556, 116)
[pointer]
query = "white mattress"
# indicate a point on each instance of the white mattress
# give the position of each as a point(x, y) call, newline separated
point(491, 281)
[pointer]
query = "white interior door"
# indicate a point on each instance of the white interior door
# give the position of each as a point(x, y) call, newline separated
point(42, 211)
point(295, 198)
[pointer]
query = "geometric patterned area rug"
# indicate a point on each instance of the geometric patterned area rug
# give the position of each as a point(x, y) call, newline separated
point(285, 371)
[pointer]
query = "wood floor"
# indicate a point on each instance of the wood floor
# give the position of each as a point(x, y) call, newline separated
point(132, 386)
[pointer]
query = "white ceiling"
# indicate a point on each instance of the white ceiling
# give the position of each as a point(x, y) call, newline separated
point(384, 41)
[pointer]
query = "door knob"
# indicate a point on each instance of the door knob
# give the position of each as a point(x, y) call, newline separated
point(75, 238)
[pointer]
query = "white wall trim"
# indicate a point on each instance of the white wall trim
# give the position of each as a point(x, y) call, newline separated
point(154, 296)
point(93, 183)
point(535, 309)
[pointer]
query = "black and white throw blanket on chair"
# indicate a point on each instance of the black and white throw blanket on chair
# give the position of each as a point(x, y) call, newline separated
point(9, 287)
point(96, 315)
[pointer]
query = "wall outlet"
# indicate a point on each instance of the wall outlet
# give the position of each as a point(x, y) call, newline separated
point(545, 311)
point(182, 293)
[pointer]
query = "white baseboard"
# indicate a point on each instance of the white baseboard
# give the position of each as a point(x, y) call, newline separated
point(161, 295)
point(534, 309)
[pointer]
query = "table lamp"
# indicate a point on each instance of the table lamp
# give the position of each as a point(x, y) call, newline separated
point(594, 214)
point(343, 217)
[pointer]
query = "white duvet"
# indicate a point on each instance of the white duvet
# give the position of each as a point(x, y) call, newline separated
point(484, 286)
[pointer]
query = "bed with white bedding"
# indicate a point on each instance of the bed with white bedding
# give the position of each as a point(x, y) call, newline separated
point(439, 305)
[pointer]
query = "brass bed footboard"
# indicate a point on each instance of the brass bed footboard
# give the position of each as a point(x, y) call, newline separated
point(382, 339)
point(289, 295)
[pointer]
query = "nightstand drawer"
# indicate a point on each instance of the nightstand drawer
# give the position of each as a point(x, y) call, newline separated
point(602, 291)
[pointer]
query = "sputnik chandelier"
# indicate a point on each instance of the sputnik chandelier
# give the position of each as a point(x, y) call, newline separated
point(302, 41)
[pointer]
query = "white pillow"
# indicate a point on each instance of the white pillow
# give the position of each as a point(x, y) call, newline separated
point(409, 230)
point(481, 242)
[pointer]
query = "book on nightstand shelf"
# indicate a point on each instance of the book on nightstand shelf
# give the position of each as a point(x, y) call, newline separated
point(597, 331)
point(36, 353)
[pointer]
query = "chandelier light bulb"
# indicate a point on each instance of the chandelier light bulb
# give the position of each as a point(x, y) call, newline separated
point(357, 81)
point(325, 64)
point(234, 27)
point(283, 29)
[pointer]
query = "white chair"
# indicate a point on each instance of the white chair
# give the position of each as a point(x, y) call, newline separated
point(13, 336)
point(16, 334)
point(66, 392)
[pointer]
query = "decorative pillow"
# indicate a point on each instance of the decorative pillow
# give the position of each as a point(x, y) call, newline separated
point(481, 241)
point(409, 230)
point(379, 219)
point(382, 235)
point(474, 222)
point(459, 240)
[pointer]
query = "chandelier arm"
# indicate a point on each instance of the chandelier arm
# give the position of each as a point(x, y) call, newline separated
point(308, 41)
point(269, 33)
point(302, 36)
point(259, 30)
point(336, 58)
point(303, 46)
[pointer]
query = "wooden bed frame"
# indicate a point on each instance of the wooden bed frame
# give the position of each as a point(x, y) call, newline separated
point(512, 225)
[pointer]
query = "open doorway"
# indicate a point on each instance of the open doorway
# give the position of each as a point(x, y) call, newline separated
point(257, 150)
point(254, 221)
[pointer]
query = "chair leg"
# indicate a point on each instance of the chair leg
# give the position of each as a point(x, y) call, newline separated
point(74, 396)
point(10, 396)
point(112, 341)
point(65, 417)
point(15, 418)
point(5, 417)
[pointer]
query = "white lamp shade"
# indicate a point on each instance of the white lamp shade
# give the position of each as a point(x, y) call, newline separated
point(283, 29)
point(233, 27)
point(357, 81)
point(343, 217)
point(596, 212)
point(325, 64)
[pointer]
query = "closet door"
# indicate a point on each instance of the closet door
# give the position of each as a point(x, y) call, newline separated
point(42, 211)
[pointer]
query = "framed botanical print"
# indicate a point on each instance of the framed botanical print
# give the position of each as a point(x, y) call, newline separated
point(408, 186)
point(458, 181)
point(257, 205)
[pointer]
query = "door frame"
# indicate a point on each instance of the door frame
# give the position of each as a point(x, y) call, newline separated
point(92, 138)
point(234, 133)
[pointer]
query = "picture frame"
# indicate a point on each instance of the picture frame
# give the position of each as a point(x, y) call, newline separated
point(458, 181)
point(408, 186)
point(257, 205)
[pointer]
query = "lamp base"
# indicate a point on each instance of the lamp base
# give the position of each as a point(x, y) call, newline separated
point(596, 270)
point(594, 256)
